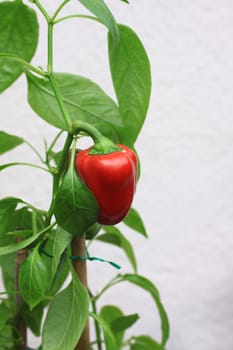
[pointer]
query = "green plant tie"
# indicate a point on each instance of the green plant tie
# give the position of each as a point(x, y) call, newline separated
point(94, 258)
point(86, 257)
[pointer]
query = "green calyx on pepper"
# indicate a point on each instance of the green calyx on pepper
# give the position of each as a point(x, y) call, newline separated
point(110, 173)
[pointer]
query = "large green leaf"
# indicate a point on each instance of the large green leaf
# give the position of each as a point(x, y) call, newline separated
point(18, 36)
point(102, 12)
point(144, 342)
point(134, 221)
point(76, 208)
point(33, 279)
point(8, 142)
point(83, 99)
point(66, 318)
point(109, 339)
point(148, 286)
point(113, 236)
point(131, 77)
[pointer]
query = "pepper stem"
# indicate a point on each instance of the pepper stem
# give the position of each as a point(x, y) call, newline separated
point(102, 145)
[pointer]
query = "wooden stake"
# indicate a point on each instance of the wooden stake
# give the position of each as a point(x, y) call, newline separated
point(79, 249)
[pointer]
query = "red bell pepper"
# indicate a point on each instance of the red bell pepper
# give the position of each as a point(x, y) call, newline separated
point(111, 178)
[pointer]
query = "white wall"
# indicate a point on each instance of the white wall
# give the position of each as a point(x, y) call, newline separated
point(185, 193)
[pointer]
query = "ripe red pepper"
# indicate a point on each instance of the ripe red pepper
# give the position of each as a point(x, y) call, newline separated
point(111, 178)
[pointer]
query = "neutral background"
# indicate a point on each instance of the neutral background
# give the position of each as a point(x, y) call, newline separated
point(185, 194)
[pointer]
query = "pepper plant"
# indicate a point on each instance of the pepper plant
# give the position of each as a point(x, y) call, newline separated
point(43, 251)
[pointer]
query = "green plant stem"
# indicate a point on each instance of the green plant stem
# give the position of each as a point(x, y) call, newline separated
point(25, 64)
point(3, 166)
point(54, 142)
point(42, 10)
point(88, 128)
point(50, 73)
point(64, 157)
point(50, 47)
point(34, 150)
point(62, 19)
point(59, 9)
point(106, 287)
point(96, 325)
point(60, 101)
point(103, 145)
point(56, 177)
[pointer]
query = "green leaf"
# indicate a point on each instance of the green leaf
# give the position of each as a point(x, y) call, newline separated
point(134, 221)
point(18, 222)
point(33, 318)
point(62, 240)
point(148, 286)
point(88, 103)
point(9, 202)
point(144, 342)
point(66, 318)
point(131, 77)
point(7, 264)
point(7, 211)
point(8, 142)
point(58, 265)
point(76, 208)
point(109, 339)
point(124, 322)
point(33, 279)
point(5, 313)
point(18, 36)
point(60, 276)
point(109, 314)
point(22, 244)
point(7, 341)
point(113, 236)
point(102, 12)
point(117, 322)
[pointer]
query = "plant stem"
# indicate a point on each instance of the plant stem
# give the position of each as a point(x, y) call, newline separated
point(59, 9)
point(54, 142)
point(114, 281)
point(8, 165)
point(50, 47)
point(20, 323)
point(79, 249)
point(77, 16)
point(96, 324)
point(42, 10)
point(25, 64)
point(56, 177)
point(35, 151)
point(60, 101)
